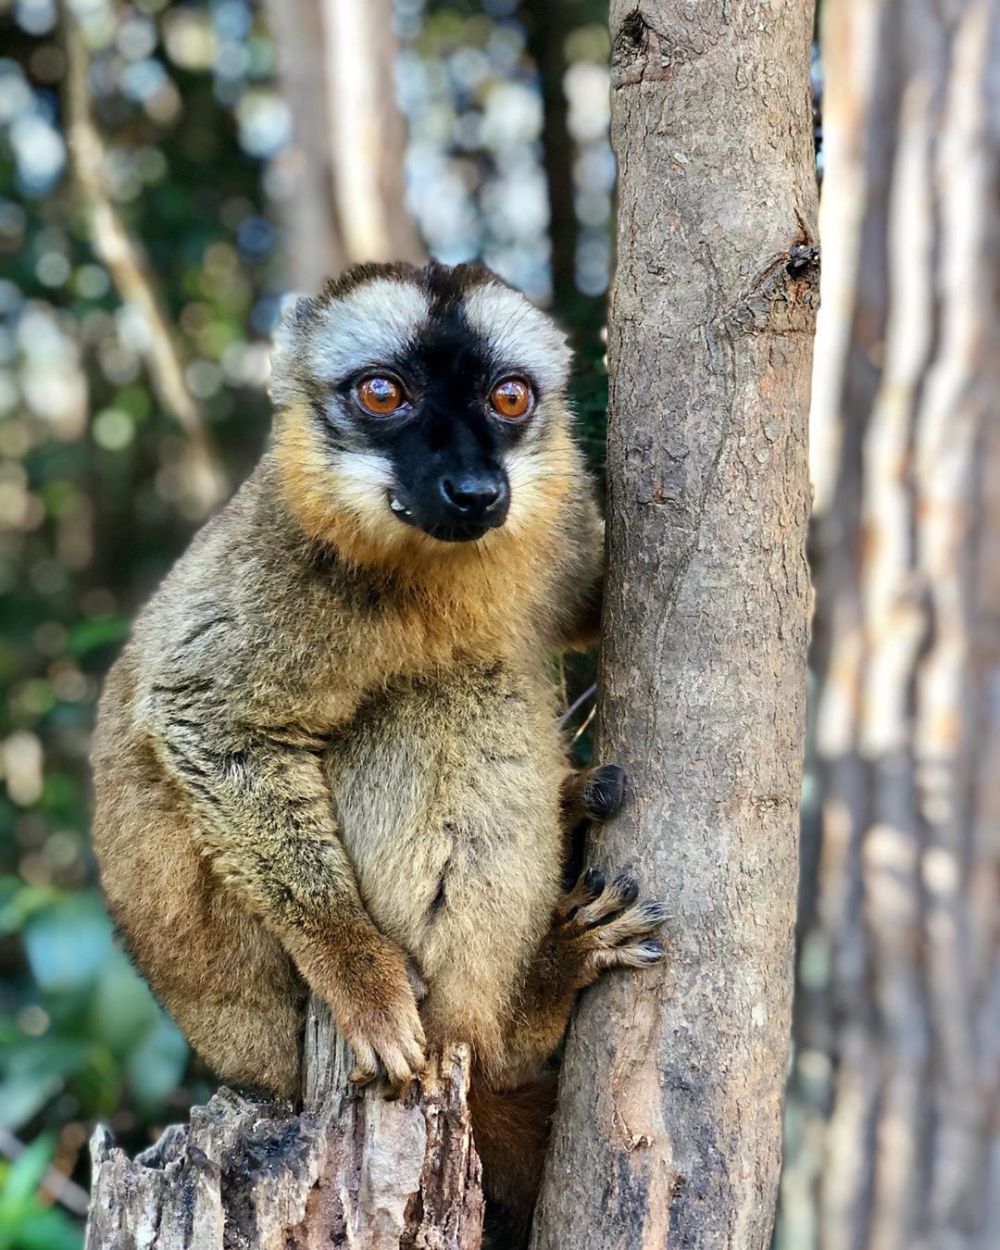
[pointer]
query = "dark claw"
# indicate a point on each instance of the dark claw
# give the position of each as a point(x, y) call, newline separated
point(654, 913)
point(604, 791)
point(652, 950)
point(627, 888)
point(593, 880)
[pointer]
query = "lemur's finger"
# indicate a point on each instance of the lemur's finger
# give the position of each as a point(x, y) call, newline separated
point(642, 954)
point(412, 1050)
point(595, 794)
point(365, 1068)
point(603, 791)
point(417, 982)
point(640, 920)
point(621, 893)
point(587, 888)
point(400, 1066)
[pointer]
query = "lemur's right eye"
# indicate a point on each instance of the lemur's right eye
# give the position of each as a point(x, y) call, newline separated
point(380, 395)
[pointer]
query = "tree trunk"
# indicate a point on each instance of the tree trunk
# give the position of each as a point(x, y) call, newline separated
point(313, 244)
point(343, 184)
point(898, 1036)
point(668, 1129)
point(353, 1169)
point(368, 133)
point(548, 25)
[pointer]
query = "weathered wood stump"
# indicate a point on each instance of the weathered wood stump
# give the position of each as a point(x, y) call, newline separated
point(352, 1169)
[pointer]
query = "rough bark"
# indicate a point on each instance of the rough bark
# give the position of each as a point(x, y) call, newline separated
point(668, 1129)
point(352, 1169)
point(897, 1051)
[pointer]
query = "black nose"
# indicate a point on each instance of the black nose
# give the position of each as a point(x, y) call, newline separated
point(473, 495)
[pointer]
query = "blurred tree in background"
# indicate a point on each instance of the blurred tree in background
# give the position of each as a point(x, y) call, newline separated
point(211, 124)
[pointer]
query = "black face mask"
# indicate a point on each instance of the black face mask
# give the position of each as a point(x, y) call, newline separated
point(442, 434)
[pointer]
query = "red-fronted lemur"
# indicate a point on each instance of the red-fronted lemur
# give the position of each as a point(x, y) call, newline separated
point(328, 758)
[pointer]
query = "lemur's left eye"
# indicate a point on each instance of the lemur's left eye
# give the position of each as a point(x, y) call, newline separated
point(511, 398)
point(380, 395)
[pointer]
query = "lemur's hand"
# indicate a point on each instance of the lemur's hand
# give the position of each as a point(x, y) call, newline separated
point(375, 1007)
point(600, 926)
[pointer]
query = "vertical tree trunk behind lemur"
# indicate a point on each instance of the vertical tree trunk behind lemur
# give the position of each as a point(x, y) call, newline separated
point(899, 1019)
point(343, 174)
point(668, 1130)
point(548, 24)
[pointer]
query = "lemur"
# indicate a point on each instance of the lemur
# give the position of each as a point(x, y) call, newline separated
point(328, 757)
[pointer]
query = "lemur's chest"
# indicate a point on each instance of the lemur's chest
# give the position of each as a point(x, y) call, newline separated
point(447, 797)
point(422, 641)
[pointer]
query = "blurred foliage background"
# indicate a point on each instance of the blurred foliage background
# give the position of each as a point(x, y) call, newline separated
point(507, 149)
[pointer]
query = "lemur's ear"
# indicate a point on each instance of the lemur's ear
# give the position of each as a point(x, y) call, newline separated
point(287, 343)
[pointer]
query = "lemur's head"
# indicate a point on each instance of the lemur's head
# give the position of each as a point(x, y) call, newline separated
point(419, 408)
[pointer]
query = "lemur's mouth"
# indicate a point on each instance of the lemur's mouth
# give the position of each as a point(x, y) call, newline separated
point(446, 531)
point(400, 508)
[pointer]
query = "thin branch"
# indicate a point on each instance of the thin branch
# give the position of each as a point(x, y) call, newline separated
point(584, 726)
point(129, 268)
point(575, 706)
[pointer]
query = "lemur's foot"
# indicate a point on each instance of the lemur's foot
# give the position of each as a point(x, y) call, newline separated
point(602, 926)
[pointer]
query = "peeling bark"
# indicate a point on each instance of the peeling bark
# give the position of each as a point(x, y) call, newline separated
point(351, 1169)
point(668, 1129)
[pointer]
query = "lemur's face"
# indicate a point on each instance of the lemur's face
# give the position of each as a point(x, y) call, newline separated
point(430, 396)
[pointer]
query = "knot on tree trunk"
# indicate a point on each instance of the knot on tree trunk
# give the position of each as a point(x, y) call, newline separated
point(351, 1169)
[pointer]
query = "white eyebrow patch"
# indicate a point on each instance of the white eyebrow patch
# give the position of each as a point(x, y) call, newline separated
point(520, 336)
point(370, 325)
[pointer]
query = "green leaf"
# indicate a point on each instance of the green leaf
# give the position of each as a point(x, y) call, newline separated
point(97, 631)
point(25, 1173)
point(25, 1222)
point(46, 1228)
point(36, 1071)
point(123, 1008)
point(19, 902)
point(68, 943)
point(21, 1100)
point(157, 1065)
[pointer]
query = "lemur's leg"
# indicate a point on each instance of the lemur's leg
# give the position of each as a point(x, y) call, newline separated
point(597, 925)
point(511, 1132)
point(223, 977)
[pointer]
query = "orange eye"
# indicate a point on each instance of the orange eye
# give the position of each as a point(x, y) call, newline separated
point(511, 398)
point(380, 396)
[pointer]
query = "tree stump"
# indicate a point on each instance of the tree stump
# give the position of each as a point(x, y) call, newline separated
point(353, 1168)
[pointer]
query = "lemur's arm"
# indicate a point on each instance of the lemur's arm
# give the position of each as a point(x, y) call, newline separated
point(264, 819)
